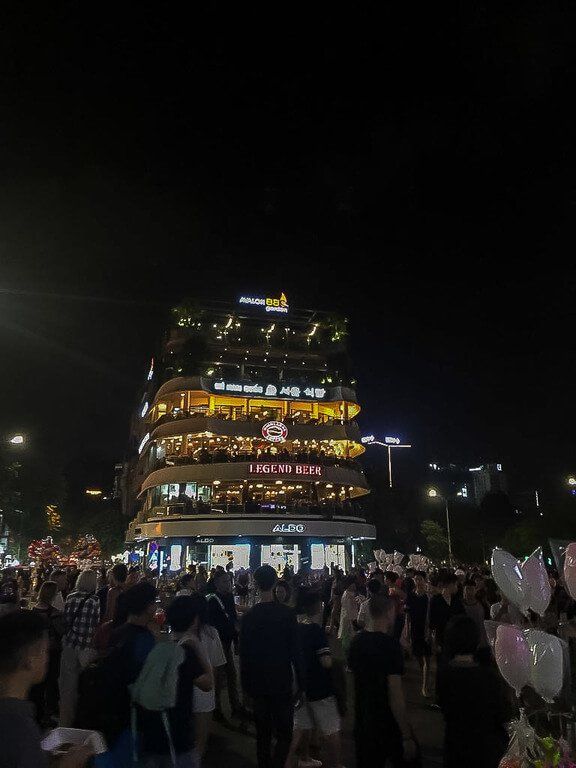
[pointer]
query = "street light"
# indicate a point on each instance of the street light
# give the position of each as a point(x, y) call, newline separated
point(433, 494)
point(389, 443)
point(571, 480)
point(16, 440)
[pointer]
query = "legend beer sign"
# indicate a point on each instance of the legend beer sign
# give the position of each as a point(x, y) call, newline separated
point(293, 470)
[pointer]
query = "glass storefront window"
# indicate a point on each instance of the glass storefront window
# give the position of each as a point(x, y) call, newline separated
point(327, 554)
point(280, 555)
point(196, 554)
point(204, 492)
point(317, 557)
point(335, 554)
point(190, 490)
point(176, 557)
point(173, 492)
point(223, 554)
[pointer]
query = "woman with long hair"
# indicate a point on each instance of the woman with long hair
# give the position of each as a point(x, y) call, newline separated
point(351, 602)
point(204, 702)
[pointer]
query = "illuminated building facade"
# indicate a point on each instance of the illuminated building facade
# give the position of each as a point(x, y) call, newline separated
point(245, 442)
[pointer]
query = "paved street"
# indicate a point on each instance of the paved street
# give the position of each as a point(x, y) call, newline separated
point(230, 748)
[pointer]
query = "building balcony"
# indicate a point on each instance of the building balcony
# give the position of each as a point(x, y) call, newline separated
point(197, 423)
point(199, 509)
point(208, 385)
point(222, 457)
point(257, 471)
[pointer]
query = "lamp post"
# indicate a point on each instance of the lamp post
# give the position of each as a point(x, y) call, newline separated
point(15, 442)
point(389, 443)
point(433, 494)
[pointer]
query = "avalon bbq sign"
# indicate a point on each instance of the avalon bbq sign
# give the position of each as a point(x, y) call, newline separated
point(296, 470)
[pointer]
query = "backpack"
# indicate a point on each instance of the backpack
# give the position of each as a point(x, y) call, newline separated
point(156, 687)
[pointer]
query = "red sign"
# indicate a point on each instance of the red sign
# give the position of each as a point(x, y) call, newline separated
point(297, 470)
point(275, 431)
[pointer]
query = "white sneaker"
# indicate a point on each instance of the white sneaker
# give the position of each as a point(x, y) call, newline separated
point(310, 763)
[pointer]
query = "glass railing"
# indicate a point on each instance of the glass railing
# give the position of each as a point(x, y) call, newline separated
point(222, 457)
point(288, 420)
point(326, 510)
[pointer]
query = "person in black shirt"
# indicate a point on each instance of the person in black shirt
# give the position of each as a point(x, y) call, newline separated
point(320, 709)
point(23, 662)
point(417, 611)
point(473, 700)
point(268, 653)
point(442, 608)
point(381, 729)
point(222, 615)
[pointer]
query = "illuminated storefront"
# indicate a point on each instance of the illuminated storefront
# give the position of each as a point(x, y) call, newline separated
point(240, 542)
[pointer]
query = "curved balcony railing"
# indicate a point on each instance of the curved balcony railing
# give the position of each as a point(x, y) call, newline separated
point(327, 510)
point(222, 457)
point(303, 418)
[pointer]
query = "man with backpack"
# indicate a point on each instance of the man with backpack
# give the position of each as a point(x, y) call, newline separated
point(163, 692)
point(104, 702)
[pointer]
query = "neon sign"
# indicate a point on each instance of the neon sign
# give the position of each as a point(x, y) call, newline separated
point(270, 305)
point(392, 440)
point(271, 390)
point(144, 441)
point(289, 528)
point(302, 470)
point(275, 431)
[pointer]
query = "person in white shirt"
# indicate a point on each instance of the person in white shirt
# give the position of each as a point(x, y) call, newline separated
point(364, 621)
point(59, 576)
point(351, 602)
point(213, 653)
point(186, 585)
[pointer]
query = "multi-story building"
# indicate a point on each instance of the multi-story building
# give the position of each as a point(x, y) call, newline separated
point(245, 441)
point(472, 483)
point(487, 478)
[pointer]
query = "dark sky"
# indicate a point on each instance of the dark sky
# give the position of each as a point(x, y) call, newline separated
point(415, 170)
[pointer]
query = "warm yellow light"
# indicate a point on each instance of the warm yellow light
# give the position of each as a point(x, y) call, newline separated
point(432, 492)
point(216, 482)
point(93, 492)
point(572, 481)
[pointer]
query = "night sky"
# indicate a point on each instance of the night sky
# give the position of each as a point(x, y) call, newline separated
point(415, 171)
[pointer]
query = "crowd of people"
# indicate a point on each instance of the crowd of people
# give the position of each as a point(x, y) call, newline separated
point(149, 664)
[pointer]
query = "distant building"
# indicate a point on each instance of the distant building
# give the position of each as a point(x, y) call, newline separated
point(487, 478)
point(472, 483)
